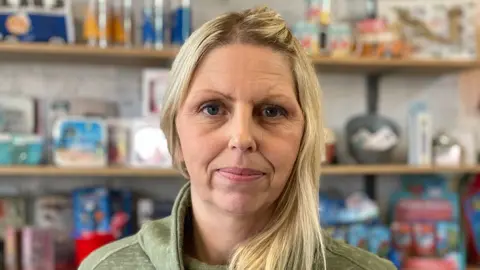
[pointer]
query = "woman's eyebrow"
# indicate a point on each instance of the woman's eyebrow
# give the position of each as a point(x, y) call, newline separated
point(202, 91)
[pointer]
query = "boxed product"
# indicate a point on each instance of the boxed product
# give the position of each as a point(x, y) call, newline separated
point(426, 225)
point(102, 211)
point(471, 213)
point(434, 28)
point(54, 212)
point(80, 141)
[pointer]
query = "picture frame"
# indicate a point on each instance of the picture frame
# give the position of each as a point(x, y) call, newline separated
point(154, 85)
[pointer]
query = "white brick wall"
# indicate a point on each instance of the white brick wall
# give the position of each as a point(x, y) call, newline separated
point(123, 84)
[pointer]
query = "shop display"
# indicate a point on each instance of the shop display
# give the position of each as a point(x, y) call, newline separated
point(13, 212)
point(340, 40)
point(37, 21)
point(54, 212)
point(426, 224)
point(419, 125)
point(434, 28)
point(17, 114)
point(446, 151)
point(148, 145)
point(397, 29)
point(38, 249)
point(471, 211)
point(80, 142)
point(376, 38)
point(111, 23)
point(154, 85)
point(355, 220)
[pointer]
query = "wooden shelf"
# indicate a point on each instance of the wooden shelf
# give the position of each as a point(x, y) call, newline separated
point(111, 171)
point(470, 267)
point(394, 169)
point(151, 172)
point(414, 66)
point(85, 54)
point(143, 57)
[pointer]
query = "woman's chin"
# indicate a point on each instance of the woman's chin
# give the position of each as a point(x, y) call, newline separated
point(239, 203)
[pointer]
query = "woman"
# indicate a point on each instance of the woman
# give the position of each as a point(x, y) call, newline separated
point(243, 122)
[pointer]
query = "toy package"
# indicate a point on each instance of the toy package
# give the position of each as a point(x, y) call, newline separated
point(434, 28)
point(471, 212)
point(54, 212)
point(426, 225)
point(12, 248)
point(36, 21)
point(118, 141)
point(355, 220)
point(53, 110)
point(13, 212)
point(38, 249)
point(102, 211)
point(152, 154)
point(80, 141)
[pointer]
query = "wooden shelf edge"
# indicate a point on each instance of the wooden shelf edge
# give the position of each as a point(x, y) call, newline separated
point(83, 50)
point(87, 171)
point(426, 63)
point(155, 172)
point(141, 55)
point(395, 169)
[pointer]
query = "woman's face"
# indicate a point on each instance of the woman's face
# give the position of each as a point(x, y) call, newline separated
point(240, 128)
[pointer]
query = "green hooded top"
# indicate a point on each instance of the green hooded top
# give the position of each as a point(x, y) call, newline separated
point(158, 246)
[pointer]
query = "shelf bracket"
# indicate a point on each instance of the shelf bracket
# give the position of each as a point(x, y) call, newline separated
point(372, 85)
point(370, 186)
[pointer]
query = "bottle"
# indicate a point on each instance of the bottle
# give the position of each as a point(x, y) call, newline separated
point(49, 4)
point(118, 35)
point(159, 23)
point(104, 23)
point(90, 24)
point(128, 23)
point(182, 25)
point(148, 29)
point(14, 3)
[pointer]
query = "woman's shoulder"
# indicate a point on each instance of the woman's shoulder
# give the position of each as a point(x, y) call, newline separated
point(127, 253)
point(122, 254)
point(340, 255)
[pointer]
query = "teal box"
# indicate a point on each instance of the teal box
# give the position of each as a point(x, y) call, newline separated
point(5, 149)
point(27, 150)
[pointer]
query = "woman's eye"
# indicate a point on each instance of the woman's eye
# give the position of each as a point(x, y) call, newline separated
point(273, 111)
point(212, 109)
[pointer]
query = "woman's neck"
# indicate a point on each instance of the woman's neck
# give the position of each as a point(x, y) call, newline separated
point(213, 235)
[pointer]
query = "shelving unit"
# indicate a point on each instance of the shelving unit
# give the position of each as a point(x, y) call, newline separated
point(143, 57)
point(351, 170)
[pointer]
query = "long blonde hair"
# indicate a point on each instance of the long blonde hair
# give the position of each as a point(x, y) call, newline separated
point(293, 240)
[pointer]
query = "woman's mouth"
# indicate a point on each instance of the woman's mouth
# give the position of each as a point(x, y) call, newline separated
point(240, 174)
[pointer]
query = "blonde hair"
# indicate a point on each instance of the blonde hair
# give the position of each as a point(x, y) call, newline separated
point(293, 240)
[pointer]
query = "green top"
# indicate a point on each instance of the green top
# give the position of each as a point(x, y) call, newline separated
point(158, 246)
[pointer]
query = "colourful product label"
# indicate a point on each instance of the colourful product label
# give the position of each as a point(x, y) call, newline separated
point(401, 236)
point(379, 241)
point(424, 239)
point(414, 210)
point(447, 235)
point(358, 236)
point(80, 142)
point(472, 212)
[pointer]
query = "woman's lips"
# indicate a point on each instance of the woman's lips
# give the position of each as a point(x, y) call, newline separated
point(240, 174)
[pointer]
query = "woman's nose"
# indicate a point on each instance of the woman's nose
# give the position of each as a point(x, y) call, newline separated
point(241, 131)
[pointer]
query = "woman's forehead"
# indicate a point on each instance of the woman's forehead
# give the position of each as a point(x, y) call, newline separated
point(244, 68)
